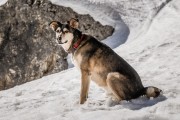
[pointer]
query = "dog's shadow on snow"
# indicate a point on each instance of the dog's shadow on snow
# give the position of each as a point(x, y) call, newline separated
point(142, 102)
point(134, 104)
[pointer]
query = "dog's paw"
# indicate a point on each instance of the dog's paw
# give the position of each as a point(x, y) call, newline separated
point(110, 102)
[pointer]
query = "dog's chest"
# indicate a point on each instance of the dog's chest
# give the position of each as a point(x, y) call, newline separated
point(94, 71)
point(76, 60)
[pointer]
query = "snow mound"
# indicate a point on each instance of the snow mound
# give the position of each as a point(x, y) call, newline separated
point(3, 2)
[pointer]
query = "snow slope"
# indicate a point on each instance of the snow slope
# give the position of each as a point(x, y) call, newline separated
point(155, 56)
point(3, 2)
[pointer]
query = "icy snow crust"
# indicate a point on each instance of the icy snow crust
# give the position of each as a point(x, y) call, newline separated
point(155, 54)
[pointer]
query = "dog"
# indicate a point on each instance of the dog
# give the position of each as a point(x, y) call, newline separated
point(99, 63)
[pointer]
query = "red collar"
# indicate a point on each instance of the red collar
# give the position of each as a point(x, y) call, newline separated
point(76, 44)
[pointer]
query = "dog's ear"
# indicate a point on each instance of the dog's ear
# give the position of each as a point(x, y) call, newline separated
point(54, 25)
point(73, 22)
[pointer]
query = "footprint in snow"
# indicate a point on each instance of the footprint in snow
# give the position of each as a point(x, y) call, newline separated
point(52, 93)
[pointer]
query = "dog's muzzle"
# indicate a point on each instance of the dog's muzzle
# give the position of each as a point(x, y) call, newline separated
point(60, 42)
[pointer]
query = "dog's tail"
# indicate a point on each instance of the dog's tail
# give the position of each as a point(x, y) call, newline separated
point(151, 91)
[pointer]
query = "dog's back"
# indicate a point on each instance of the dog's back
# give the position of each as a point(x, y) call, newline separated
point(102, 64)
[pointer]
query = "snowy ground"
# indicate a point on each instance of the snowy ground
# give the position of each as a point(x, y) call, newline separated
point(155, 56)
point(3, 2)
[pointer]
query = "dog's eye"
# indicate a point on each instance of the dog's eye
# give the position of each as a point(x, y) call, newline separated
point(66, 31)
point(58, 31)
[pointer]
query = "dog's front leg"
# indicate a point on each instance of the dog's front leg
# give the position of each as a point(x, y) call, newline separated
point(84, 86)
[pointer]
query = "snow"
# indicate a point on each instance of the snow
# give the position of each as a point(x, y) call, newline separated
point(3, 2)
point(154, 54)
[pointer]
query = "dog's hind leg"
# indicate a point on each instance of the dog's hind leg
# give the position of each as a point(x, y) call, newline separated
point(118, 84)
point(124, 89)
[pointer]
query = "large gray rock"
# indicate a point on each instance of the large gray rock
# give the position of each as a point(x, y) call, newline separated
point(27, 47)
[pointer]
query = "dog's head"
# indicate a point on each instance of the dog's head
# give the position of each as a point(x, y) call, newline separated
point(66, 33)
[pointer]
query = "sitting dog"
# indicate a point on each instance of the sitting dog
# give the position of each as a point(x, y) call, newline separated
point(100, 63)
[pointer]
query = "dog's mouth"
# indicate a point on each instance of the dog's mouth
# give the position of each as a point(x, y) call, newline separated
point(60, 42)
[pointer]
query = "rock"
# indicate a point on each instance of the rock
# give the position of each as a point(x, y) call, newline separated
point(28, 50)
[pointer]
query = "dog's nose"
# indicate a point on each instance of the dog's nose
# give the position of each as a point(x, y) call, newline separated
point(59, 39)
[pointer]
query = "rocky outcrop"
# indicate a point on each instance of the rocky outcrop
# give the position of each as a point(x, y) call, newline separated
point(27, 47)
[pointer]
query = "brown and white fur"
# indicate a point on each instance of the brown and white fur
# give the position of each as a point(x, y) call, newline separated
point(101, 64)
